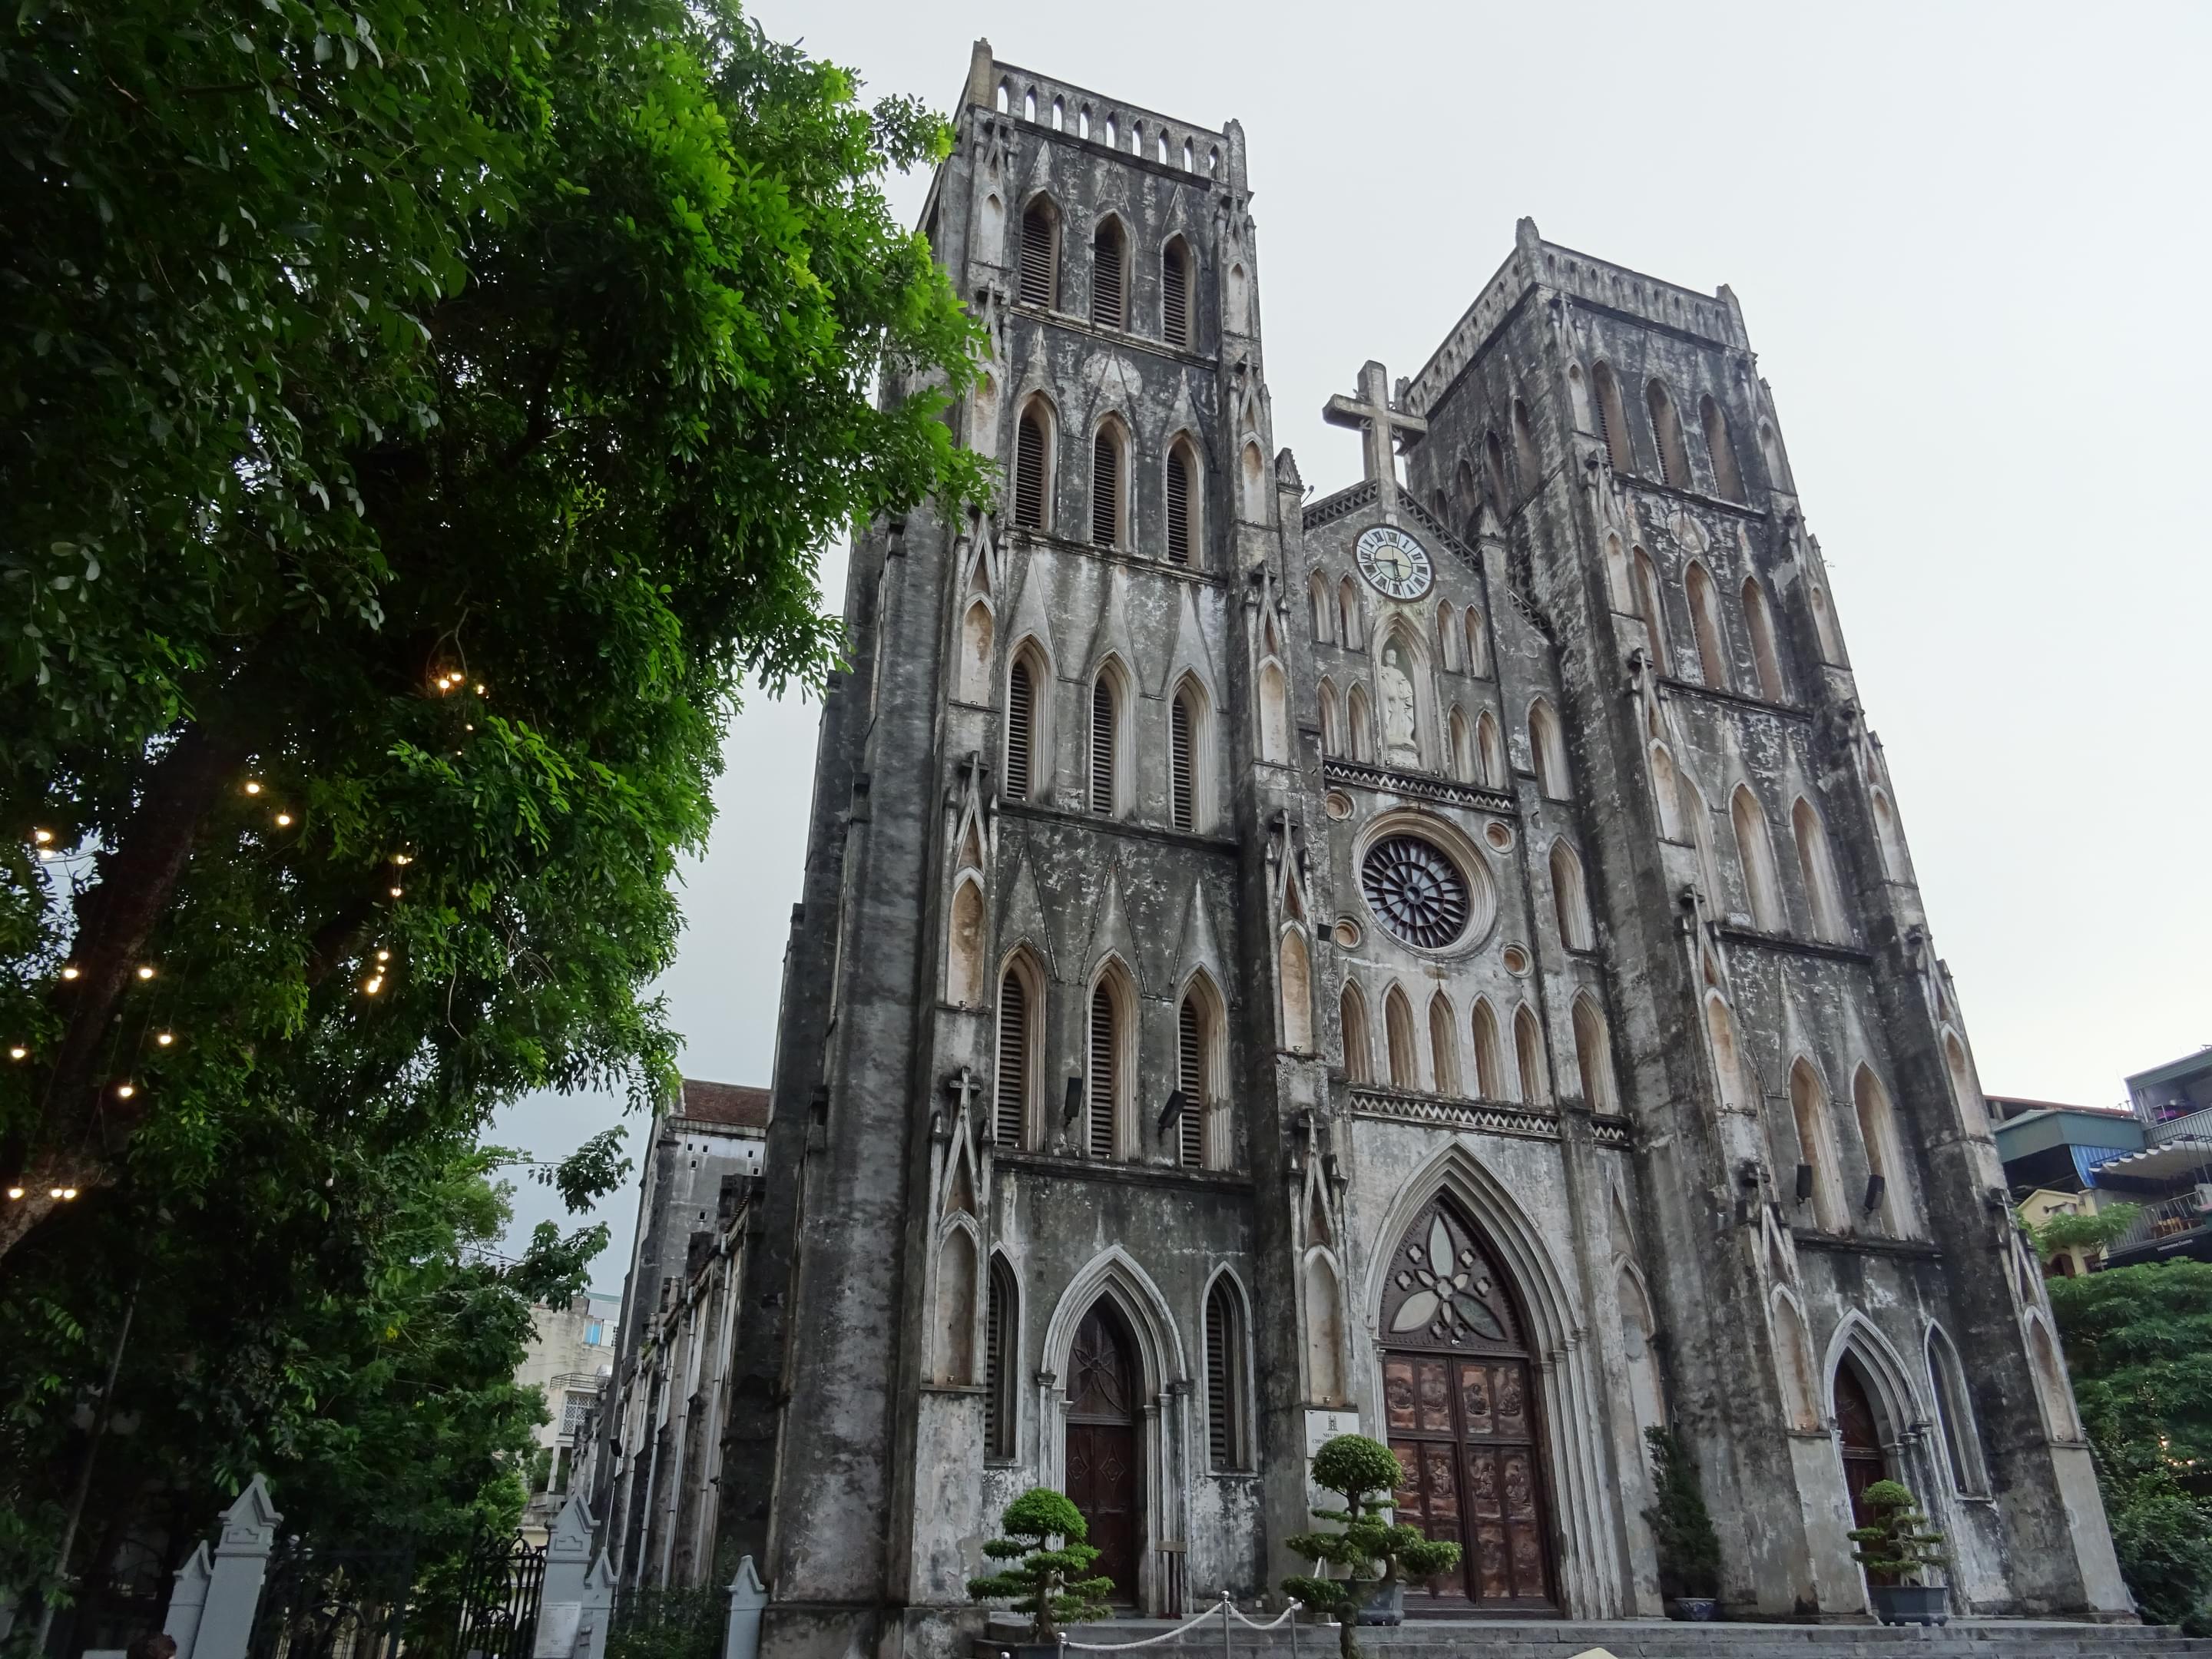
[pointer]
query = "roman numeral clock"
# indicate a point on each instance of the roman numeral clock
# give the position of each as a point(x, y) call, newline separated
point(1393, 562)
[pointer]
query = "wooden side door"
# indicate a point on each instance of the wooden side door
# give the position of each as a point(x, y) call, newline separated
point(1102, 1448)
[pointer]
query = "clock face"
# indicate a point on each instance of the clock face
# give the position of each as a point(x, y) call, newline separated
point(1394, 563)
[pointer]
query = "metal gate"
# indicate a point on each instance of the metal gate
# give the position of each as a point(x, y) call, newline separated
point(500, 1583)
point(331, 1604)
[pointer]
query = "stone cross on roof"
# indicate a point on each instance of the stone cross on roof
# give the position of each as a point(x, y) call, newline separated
point(1382, 422)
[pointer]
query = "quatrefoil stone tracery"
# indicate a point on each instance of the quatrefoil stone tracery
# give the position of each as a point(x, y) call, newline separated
point(1419, 893)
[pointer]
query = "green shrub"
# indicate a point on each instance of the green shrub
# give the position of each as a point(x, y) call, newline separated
point(1375, 1553)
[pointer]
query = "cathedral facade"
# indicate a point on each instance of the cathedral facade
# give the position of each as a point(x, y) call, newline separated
point(1439, 958)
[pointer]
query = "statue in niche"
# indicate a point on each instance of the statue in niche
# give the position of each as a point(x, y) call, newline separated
point(1399, 747)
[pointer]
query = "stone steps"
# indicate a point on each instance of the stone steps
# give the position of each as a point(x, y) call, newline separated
point(1424, 1639)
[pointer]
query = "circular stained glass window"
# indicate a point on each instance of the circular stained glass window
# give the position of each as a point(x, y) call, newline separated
point(1418, 892)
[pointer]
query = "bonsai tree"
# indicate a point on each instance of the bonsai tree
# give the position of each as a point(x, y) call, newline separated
point(1682, 1530)
point(1374, 1553)
point(1047, 1583)
point(1900, 1543)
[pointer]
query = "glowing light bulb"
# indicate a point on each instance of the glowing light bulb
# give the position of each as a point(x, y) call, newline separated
point(376, 984)
point(482, 692)
point(53, 1192)
point(283, 820)
point(69, 972)
point(402, 858)
point(252, 787)
point(15, 1192)
point(395, 892)
point(17, 1051)
point(124, 1090)
point(42, 837)
point(68, 1193)
point(47, 854)
point(384, 956)
point(145, 971)
point(165, 1038)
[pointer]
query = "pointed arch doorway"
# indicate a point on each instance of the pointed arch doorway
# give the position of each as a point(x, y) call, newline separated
point(1101, 1444)
point(1460, 1410)
point(1858, 1437)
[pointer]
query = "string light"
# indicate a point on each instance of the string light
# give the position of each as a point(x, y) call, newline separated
point(482, 692)
point(252, 786)
point(15, 1192)
point(283, 820)
point(17, 1051)
point(376, 984)
point(384, 956)
point(42, 837)
point(165, 1038)
point(69, 972)
point(53, 1192)
point(145, 971)
point(68, 1193)
point(402, 858)
point(124, 1090)
point(395, 892)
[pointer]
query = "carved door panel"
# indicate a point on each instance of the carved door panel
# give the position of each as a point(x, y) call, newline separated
point(1859, 1434)
point(1102, 1448)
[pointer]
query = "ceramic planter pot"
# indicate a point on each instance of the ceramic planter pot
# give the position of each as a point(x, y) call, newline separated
point(1912, 1604)
point(1696, 1609)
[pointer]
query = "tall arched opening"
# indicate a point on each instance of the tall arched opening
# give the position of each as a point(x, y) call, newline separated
point(1859, 1437)
point(1460, 1410)
point(1102, 1468)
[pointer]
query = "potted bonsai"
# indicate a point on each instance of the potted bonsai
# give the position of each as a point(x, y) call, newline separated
point(1046, 1582)
point(1900, 1545)
point(1377, 1555)
point(1682, 1531)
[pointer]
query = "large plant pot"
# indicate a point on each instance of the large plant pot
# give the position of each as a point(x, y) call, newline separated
point(1386, 1608)
point(1912, 1604)
point(1696, 1609)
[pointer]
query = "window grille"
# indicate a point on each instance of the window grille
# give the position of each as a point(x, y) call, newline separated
point(1180, 765)
point(1108, 309)
point(1103, 1058)
point(1021, 708)
point(1190, 1057)
point(1106, 488)
point(1013, 1059)
point(1101, 745)
point(1179, 506)
point(1029, 472)
point(1036, 272)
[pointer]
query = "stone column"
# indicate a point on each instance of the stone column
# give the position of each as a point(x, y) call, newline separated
point(747, 1597)
point(187, 1600)
point(560, 1599)
point(234, 1589)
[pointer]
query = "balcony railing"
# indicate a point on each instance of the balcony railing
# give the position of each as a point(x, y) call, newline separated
point(2189, 1125)
point(2168, 1219)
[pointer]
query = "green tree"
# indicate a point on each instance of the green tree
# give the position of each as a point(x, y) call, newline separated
point(1899, 1542)
point(2089, 1230)
point(2139, 1344)
point(1375, 1553)
point(1045, 1579)
point(422, 421)
point(1688, 1547)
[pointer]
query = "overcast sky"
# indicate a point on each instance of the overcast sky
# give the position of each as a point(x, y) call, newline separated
point(1966, 240)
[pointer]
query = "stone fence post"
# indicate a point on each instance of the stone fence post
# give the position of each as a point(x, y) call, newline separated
point(577, 1602)
point(188, 1599)
point(748, 1596)
point(234, 1586)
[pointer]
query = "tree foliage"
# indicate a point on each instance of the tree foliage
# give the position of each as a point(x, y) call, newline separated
point(1374, 1553)
point(2082, 1230)
point(1688, 1547)
point(1046, 1579)
point(2139, 1343)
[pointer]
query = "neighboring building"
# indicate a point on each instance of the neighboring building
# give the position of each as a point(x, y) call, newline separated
point(2172, 1176)
point(2051, 1153)
point(656, 1440)
point(1441, 957)
point(571, 1354)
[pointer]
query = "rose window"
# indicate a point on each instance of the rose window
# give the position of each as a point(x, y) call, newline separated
point(1419, 893)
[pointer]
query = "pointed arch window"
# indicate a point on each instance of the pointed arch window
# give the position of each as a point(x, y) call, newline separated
point(1888, 838)
point(1547, 752)
point(1033, 467)
point(1194, 1038)
point(1324, 609)
point(1359, 1046)
point(1105, 743)
point(1225, 1437)
point(1443, 1046)
point(1294, 975)
point(1489, 750)
point(1109, 471)
point(1728, 475)
point(1756, 854)
point(1954, 1415)
point(1612, 418)
point(1570, 901)
point(1348, 632)
point(1184, 725)
point(1593, 1057)
point(963, 966)
point(1039, 279)
point(1705, 622)
point(1477, 644)
point(1020, 1007)
point(1818, 869)
point(1110, 284)
point(1759, 622)
point(1649, 607)
point(1448, 639)
point(1331, 722)
point(1666, 432)
point(1174, 293)
point(1001, 1321)
point(1022, 684)
point(1183, 504)
point(1489, 1059)
point(1770, 450)
point(1398, 1032)
point(1462, 748)
point(1360, 726)
point(1524, 447)
point(1493, 460)
point(1107, 1085)
point(1886, 1202)
point(1528, 1058)
point(1809, 1106)
point(1469, 497)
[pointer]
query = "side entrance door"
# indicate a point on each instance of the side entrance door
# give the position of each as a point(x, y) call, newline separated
point(1101, 1447)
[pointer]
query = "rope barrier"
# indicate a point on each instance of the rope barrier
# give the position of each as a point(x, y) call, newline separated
point(1226, 1608)
point(1276, 1623)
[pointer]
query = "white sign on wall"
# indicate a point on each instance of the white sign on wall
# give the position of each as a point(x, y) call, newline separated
point(1322, 1427)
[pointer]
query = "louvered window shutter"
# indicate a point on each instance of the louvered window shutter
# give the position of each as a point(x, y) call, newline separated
point(1037, 282)
point(1220, 1392)
point(1190, 1057)
point(1178, 507)
point(1021, 709)
point(1013, 1060)
point(1106, 302)
point(1029, 472)
point(1103, 1058)
point(1175, 295)
point(994, 1370)
point(1101, 746)
point(1105, 491)
point(1179, 764)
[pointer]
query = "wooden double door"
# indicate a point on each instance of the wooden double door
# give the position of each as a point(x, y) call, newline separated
point(1461, 1413)
point(1101, 1447)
